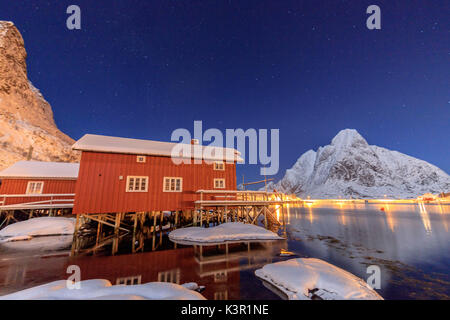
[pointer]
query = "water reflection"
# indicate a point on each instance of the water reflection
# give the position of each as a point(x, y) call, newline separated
point(424, 216)
point(405, 239)
point(220, 268)
point(408, 241)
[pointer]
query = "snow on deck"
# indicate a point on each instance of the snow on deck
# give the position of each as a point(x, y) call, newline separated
point(41, 169)
point(100, 289)
point(99, 143)
point(43, 226)
point(302, 278)
point(231, 231)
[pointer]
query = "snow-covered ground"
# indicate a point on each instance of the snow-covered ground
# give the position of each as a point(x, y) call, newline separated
point(43, 226)
point(303, 278)
point(231, 231)
point(100, 289)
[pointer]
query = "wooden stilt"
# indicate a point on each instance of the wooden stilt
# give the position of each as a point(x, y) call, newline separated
point(133, 245)
point(154, 231)
point(160, 227)
point(176, 220)
point(75, 240)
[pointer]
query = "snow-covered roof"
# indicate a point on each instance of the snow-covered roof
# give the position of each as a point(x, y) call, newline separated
point(99, 143)
point(41, 169)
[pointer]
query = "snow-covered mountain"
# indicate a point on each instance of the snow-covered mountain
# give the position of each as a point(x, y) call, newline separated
point(350, 167)
point(26, 119)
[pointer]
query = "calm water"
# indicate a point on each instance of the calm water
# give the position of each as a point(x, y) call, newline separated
point(410, 244)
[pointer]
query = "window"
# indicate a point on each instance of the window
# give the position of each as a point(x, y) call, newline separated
point(171, 276)
point(137, 184)
point(221, 295)
point(35, 187)
point(219, 183)
point(173, 184)
point(140, 159)
point(220, 276)
point(219, 166)
point(129, 281)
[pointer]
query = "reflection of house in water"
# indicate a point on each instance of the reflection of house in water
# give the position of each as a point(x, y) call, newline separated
point(215, 267)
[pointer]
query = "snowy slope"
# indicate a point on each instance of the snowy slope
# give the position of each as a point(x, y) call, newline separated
point(350, 167)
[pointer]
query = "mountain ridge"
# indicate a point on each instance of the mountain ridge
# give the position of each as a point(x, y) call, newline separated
point(350, 167)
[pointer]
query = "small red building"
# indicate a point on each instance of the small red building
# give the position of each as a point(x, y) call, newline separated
point(36, 184)
point(130, 175)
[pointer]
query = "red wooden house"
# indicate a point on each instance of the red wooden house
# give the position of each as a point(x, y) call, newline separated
point(130, 175)
point(36, 184)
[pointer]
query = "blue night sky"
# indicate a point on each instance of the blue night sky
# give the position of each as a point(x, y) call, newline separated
point(142, 68)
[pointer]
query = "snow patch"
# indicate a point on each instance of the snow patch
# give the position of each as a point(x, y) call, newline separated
point(41, 169)
point(231, 231)
point(100, 289)
point(43, 226)
point(307, 278)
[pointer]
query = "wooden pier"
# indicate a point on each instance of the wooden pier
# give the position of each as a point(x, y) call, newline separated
point(243, 206)
point(213, 207)
point(14, 205)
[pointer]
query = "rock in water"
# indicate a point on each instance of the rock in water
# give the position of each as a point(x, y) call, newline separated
point(26, 118)
point(350, 167)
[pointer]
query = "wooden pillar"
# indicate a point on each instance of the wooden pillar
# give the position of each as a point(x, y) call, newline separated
point(154, 231)
point(133, 245)
point(160, 227)
point(117, 223)
point(176, 220)
point(265, 217)
point(75, 244)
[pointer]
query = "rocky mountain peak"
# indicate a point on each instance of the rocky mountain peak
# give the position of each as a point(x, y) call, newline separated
point(348, 138)
point(26, 118)
point(350, 167)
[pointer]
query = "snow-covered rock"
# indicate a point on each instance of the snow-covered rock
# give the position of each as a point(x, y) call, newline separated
point(308, 278)
point(26, 118)
point(231, 231)
point(99, 289)
point(43, 226)
point(350, 167)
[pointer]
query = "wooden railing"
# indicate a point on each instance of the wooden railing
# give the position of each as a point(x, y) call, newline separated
point(54, 200)
point(238, 197)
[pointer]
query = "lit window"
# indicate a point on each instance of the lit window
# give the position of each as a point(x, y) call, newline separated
point(140, 159)
point(35, 187)
point(219, 166)
point(219, 183)
point(173, 184)
point(137, 184)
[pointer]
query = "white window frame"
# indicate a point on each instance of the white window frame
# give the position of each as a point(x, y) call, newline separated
point(219, 179)
point(216, 166)
point(138, 159)
point(170, 178)
point(134, 184)
point(34, 190)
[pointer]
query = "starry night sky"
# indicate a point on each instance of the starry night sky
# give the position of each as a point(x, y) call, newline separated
point(142, 68)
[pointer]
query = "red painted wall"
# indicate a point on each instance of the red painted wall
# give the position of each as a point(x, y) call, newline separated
point(19, 186)
point(99, 189)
